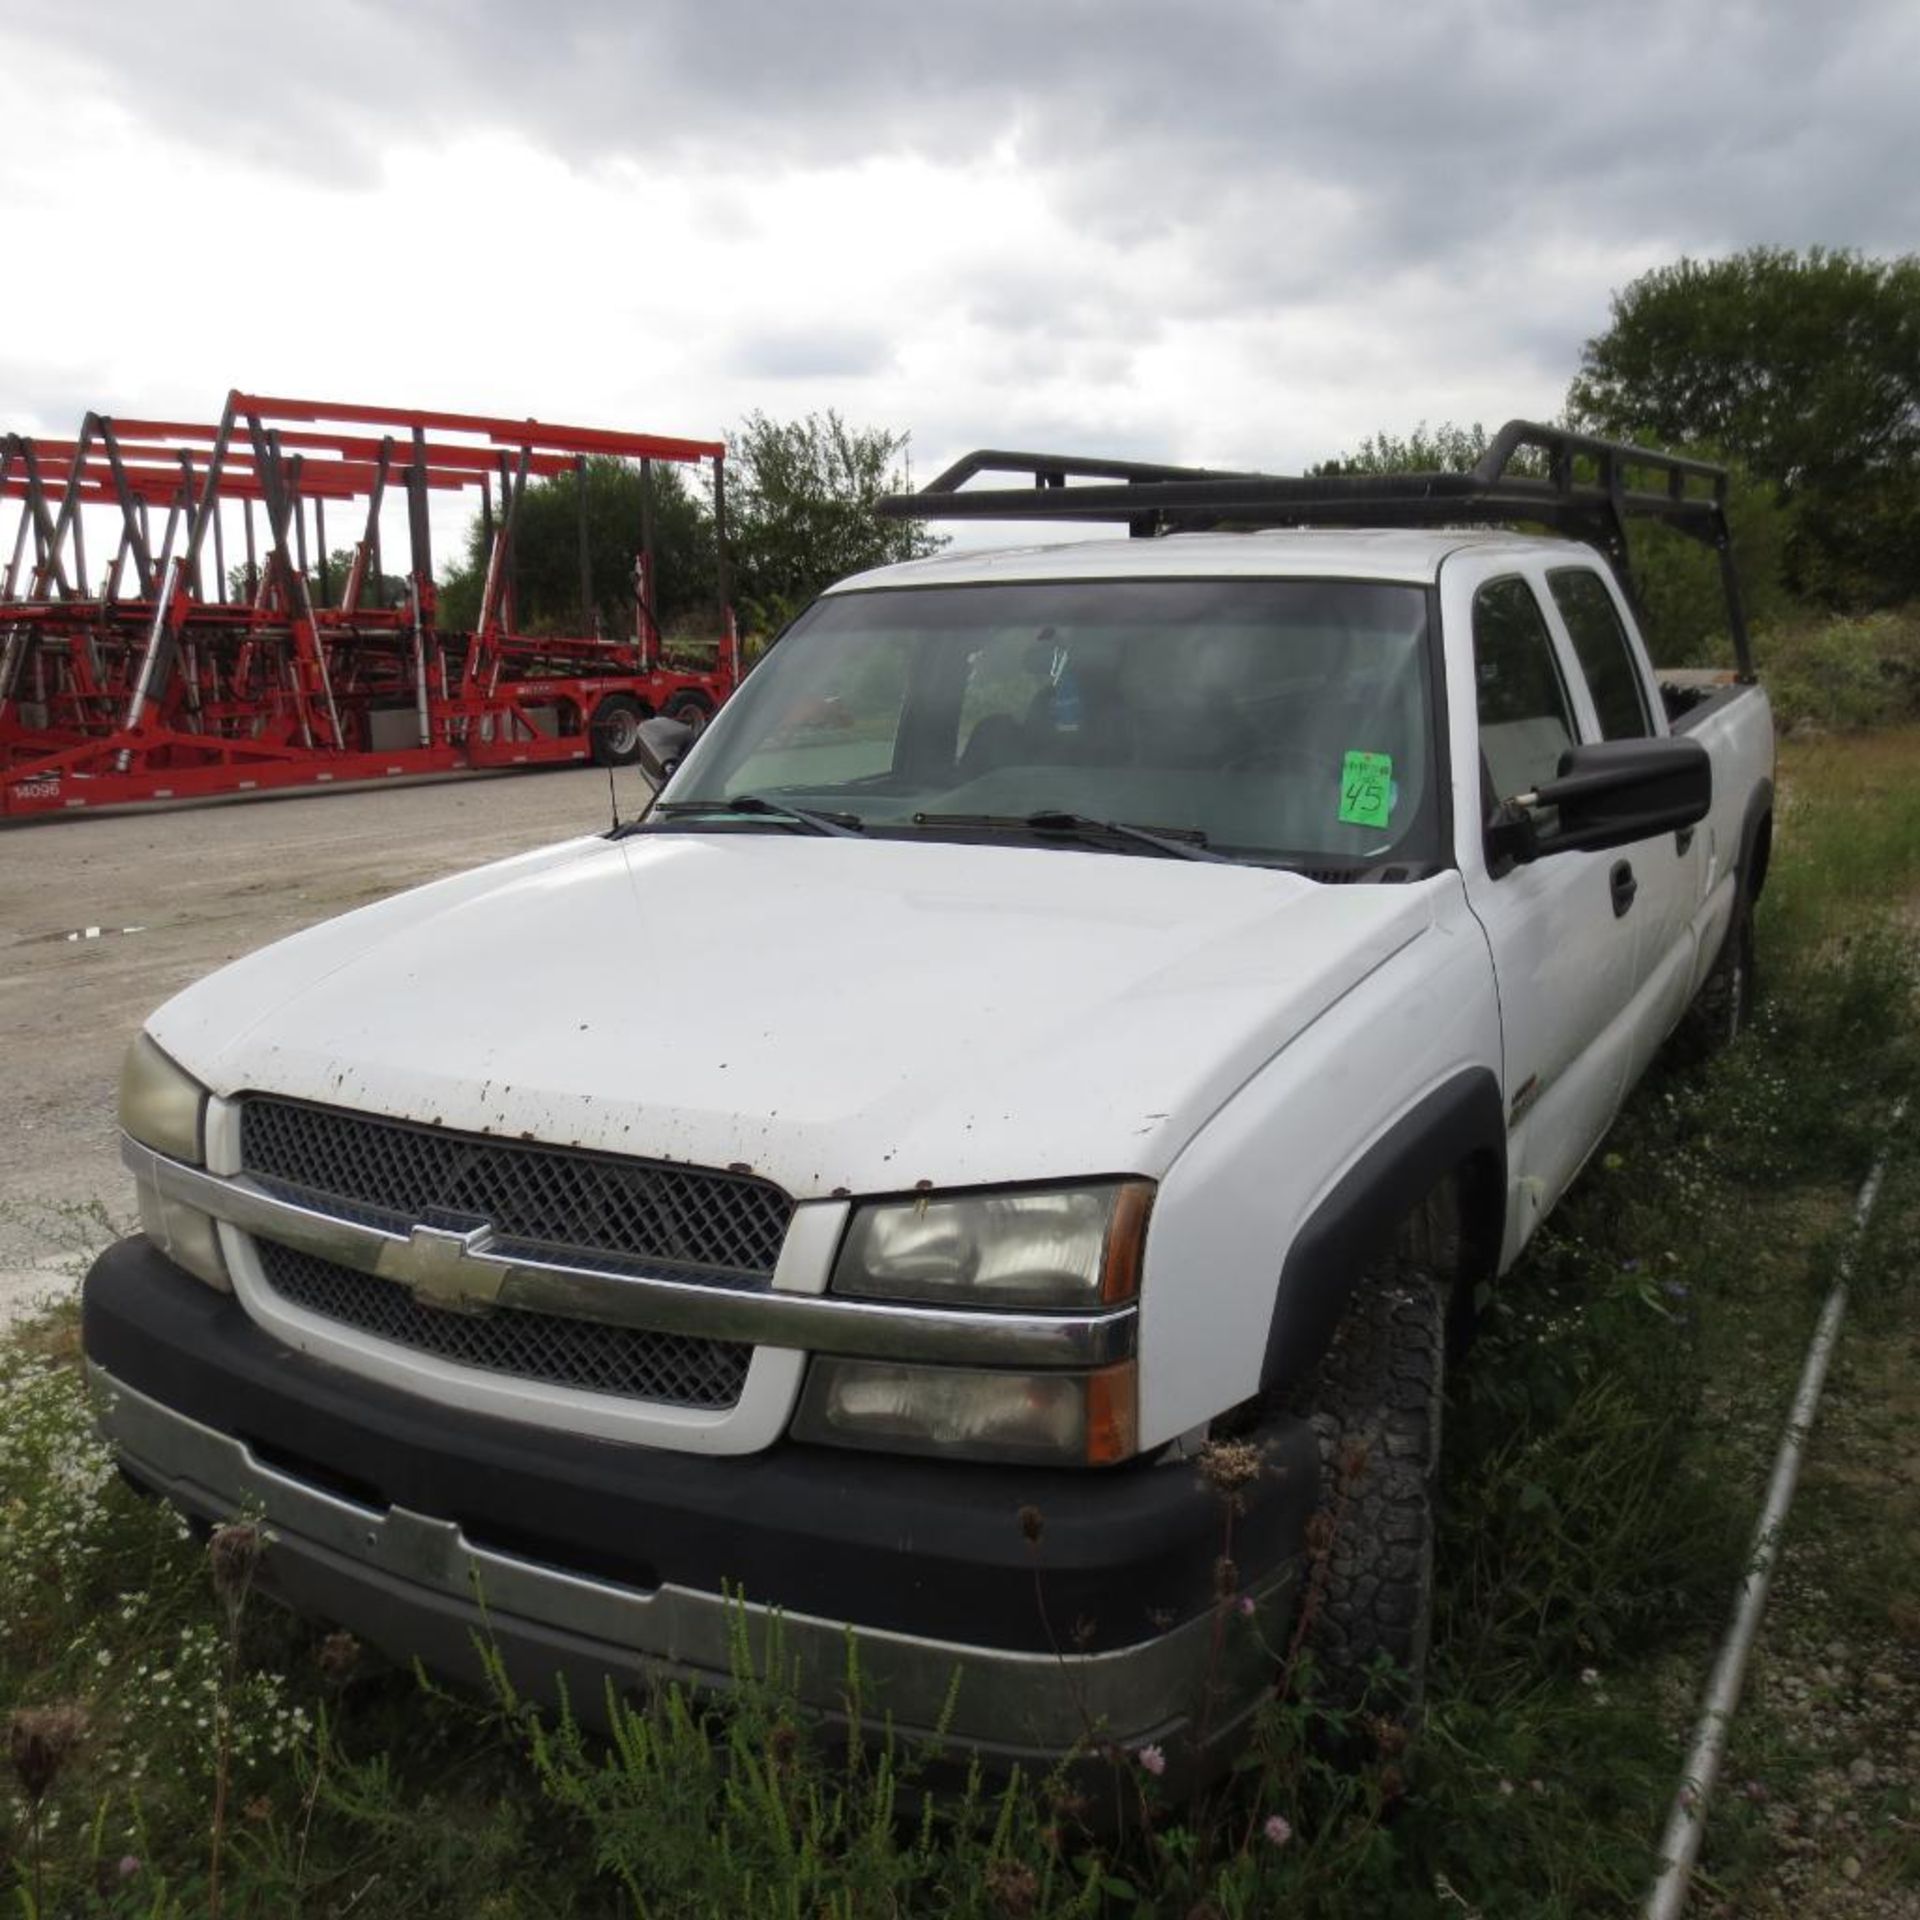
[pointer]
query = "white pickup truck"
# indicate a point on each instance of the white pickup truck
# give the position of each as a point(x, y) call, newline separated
point(1076, 1007)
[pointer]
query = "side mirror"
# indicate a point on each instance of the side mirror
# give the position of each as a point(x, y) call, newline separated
point(660, 745)
point(1609, 795)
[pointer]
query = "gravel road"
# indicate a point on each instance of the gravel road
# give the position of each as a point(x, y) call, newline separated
point(174, 895)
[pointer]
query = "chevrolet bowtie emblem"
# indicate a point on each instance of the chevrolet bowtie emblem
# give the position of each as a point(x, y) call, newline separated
point(440, 1270)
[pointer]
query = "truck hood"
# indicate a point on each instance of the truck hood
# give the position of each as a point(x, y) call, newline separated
point(838, 1015)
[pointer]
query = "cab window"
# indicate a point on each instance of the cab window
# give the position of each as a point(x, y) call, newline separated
point(1600, 644)
point(1526, 720)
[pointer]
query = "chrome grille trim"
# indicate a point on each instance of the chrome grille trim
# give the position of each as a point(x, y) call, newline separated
point(665, 1302)
point(667, 1369)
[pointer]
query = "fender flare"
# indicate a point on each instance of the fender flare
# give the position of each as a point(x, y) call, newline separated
point(1461, 1121)
point(1756, 841)
point(1750, 869)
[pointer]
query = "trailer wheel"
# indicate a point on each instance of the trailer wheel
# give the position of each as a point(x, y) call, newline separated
point(615, 728)
point(692, 710)
point(1375, 1405)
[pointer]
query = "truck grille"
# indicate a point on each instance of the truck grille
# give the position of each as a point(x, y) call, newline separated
point(396, 1173)
point(668, 1368)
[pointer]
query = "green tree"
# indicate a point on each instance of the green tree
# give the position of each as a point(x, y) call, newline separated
point(546, 554)
point(1805, 368)
point(799, 515)
point(802, 494)
point(1676, 580)
point(390, 590)
point(1447, 448)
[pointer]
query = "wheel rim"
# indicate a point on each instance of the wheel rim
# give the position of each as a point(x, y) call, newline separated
point(619, 730)
point(693, 716)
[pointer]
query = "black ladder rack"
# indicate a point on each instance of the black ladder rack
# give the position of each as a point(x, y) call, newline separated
point(1587, 492)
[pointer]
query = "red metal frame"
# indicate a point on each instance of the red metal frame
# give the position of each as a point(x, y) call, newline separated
point(150, 688)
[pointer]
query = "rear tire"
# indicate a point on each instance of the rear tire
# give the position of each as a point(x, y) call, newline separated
point(615, 731)
point(1375, 1405)
point(1723, 1008)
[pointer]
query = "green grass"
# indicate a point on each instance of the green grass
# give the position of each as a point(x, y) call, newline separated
point(1847, 846)
point(1607, 1448)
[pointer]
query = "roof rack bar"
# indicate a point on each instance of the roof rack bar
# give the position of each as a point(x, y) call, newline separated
point(1286, 500)
point(1055, 470)
point(1565, 442)
point(1150, 499)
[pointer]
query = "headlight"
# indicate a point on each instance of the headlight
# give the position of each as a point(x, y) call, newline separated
point(1044, 1419)
point(161, 1105)
point(1067, 1247)
point(164, 1107)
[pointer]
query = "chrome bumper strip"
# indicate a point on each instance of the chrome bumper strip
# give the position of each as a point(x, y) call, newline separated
point(462, 1273)
point(999, 1700)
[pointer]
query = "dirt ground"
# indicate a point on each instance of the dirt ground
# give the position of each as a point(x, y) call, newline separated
point(174, 895)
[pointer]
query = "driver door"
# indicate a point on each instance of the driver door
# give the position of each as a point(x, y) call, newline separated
point(1563, 954)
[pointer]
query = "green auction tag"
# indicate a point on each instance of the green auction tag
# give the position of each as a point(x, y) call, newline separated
point(1366, 789)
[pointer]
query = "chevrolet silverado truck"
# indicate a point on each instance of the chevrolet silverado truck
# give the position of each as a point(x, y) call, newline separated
point(1032, 1091)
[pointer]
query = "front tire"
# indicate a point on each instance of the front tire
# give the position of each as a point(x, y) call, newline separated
point(1375, 1405)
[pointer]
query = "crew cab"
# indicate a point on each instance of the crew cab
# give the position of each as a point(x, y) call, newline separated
point(993, 1152)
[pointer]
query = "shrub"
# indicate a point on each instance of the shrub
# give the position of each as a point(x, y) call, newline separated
point(1844, 674)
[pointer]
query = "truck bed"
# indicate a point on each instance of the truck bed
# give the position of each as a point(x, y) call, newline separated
point(1691, 693)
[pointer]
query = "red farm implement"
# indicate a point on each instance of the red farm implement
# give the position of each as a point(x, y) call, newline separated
point(159, 682)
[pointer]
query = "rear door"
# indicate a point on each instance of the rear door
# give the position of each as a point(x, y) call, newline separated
point(1665, 871)
point(1563, 955)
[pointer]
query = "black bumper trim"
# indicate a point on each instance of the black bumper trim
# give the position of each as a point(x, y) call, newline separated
point(921, 1547)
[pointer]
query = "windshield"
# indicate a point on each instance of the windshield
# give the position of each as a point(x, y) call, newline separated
point(1285, 720)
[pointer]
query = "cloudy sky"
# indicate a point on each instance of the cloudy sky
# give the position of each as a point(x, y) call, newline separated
point(1247, 232)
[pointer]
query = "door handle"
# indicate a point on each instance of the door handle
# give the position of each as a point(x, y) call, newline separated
point(1624, 886)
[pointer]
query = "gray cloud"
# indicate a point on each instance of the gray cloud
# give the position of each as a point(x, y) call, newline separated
point(46, 397)
point(48, 394)
point(1440, 185)
point(1440, 123)
point(810, 353)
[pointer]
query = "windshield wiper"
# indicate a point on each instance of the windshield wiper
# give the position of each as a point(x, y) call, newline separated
point(1182, 844)
point(843, 826)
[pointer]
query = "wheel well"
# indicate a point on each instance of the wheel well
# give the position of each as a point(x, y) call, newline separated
point(1458, 1133)
point(1756, 842)
point(1760, 855)
point(1482, 1183)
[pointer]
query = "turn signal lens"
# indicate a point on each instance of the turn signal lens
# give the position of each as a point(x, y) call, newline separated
point(1113, 1415)
point(1038, 1419)
point(188, 1237)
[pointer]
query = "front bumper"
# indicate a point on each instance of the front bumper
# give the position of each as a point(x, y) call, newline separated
point(429, 1531)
